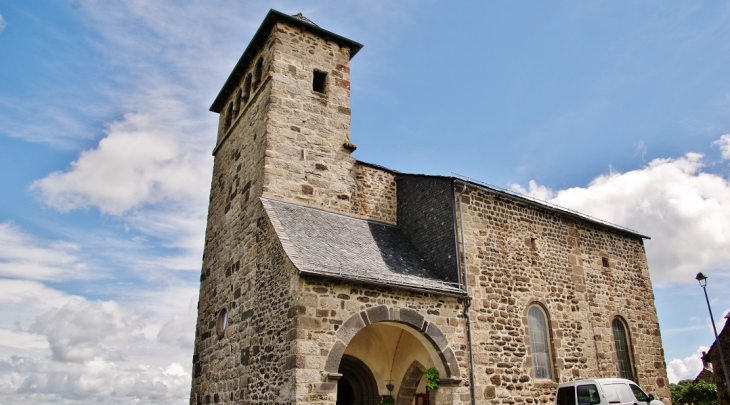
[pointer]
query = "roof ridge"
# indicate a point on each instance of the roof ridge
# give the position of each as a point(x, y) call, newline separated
point(331, 212)
point(300, 16)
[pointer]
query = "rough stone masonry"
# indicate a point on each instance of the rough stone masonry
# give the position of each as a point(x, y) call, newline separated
point(328, 280)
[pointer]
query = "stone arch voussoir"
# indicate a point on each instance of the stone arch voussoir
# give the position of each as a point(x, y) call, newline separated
point(410, 382)
point(405, 316)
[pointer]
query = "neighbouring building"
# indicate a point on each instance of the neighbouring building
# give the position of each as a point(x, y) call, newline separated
point(713, 356)
point(329, 280)
point(706, 374)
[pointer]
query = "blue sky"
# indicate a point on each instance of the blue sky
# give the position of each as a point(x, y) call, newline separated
point(620, 110)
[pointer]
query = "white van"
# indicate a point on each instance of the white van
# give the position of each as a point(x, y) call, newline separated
point(603, 391)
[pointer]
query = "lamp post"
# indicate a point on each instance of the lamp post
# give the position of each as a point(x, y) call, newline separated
point(702, 279)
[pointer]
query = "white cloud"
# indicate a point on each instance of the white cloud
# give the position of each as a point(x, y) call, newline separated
point(155, 180)
point(3, 24)
point(168, 61)
point(23, 300)
point(83, 331)
point(23, 256)
point(687, 368)
point(534, 190)
point(96, 380)
point(98, 351)
point(22, 340)
point(172, 313)
point(179, 330)
point(29, 294)
point(641, 150)
point(63, 125)
point(134, 165)
point(724, 144)
point(180, 227)
point(681, 207)
point(152, 167)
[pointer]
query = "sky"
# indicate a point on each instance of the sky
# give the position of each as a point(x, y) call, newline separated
point(619, 110)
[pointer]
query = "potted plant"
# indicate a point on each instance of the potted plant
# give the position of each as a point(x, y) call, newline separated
point(387, 400)
point(433, 380)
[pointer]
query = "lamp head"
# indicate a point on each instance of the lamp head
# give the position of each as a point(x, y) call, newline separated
point(702, 279)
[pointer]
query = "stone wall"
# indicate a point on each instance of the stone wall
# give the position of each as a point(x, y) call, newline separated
point(374, 196)
point(426, 218)
point(307, 148)
point(331, 312)
point(308, 160)
point(251, 361)
point(246, 361)
point(519, 255)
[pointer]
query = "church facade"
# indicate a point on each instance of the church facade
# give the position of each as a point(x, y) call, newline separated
point(333, 281)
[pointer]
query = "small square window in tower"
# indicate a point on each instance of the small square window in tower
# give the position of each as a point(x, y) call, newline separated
point(319, 81)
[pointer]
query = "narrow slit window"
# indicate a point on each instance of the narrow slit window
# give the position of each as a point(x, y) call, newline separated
point(228, 117)
point(605, 261)
point(258, 73)
point(246, 90)
point(319, 81)
point(222, 321)
point(237, 104)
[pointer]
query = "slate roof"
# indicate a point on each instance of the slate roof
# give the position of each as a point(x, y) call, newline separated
point(705, 375)
point(333, 245)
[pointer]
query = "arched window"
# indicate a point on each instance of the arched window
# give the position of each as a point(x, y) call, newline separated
point(257, 72)
point(246, 91)
point(623, 354)
point(539, 343)
point(237, 103)
point(228, 117)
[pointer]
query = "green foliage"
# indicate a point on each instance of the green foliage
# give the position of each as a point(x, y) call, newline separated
point(387, 400)
point(696, 393)
point(433, 380)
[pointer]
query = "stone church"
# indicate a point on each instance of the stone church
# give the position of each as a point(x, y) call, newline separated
point(330, 280)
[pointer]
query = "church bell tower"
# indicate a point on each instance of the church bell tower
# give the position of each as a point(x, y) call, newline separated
point(283, 133)
point(291, 89)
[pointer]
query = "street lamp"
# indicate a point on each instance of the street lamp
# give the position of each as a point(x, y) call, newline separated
point(702, 279)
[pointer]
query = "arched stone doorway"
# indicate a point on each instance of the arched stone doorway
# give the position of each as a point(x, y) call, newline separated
point(357, 386)
point(395, 346)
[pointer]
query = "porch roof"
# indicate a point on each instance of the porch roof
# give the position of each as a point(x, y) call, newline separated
point(328, 244)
